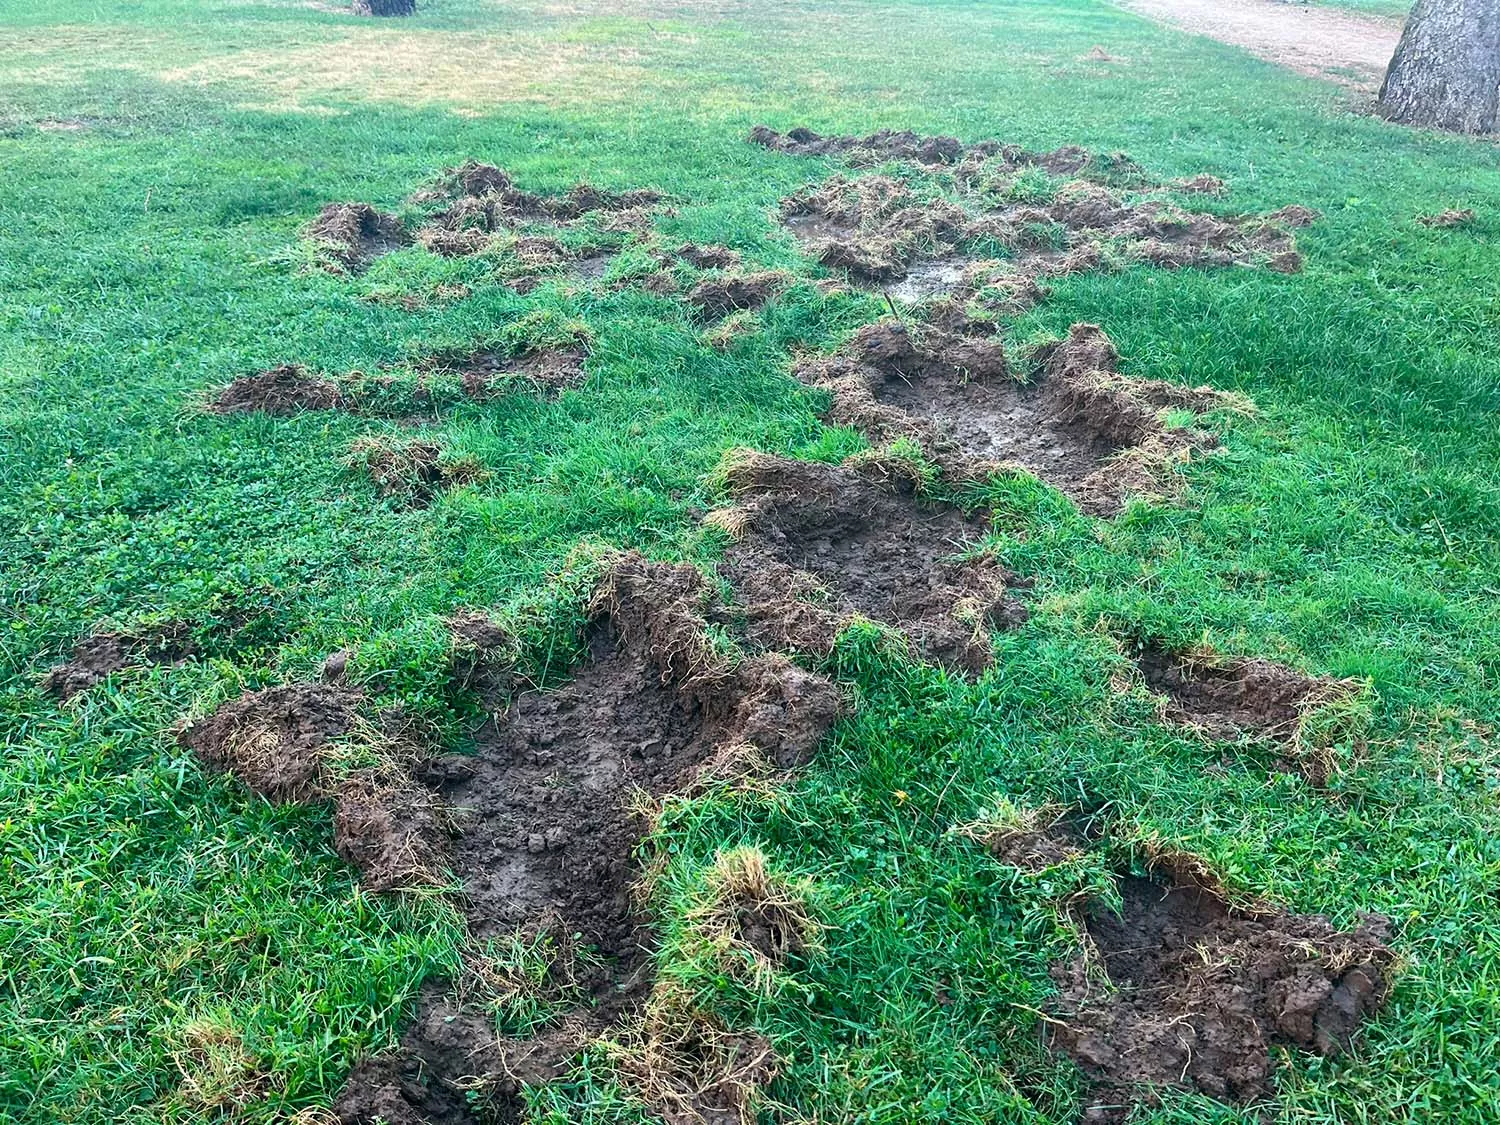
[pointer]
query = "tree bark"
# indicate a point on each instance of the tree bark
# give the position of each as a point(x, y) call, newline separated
point(1446, 70)
point(385, 7)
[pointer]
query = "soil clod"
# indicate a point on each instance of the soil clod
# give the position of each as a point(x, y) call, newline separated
point(101, 654)
point(415, 469)
point(716, 297)
point(352, 235)
point(1448, 219)
point(548, 371)
point(1200, 991)
point(279, 391)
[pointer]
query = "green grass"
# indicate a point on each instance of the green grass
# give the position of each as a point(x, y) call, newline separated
point(1350, 528)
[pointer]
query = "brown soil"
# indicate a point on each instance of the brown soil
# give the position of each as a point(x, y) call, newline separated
point(1081, 426)
point(1199, 991)
point(704, 257)
point(393, 830)
point(547, 814)
point(482, 200)
point(1034, 850)
point(881, 234)
point(1448, 219)
point(1229, 699)
point(547, 371)
point(716, 297)
point(818, 544)
point(101, 654)
point(352, 235)
point(280, 390)
point(275, 740)
point(413, 469)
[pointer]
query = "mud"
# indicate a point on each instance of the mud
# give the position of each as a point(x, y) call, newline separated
point(102, 654)
point(414, 470)
point(276, 740)
point(280, 391)
point(352, 235)
point(817, 544)
point(547, 814)
point(1080, 425)
point(545, 371)
point(716, 297)
point(1200, 991)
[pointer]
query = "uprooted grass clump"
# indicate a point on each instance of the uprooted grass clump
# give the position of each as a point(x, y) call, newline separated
point(751, 920)
point(414, 468)
point(1021, 217)
point(349, 236)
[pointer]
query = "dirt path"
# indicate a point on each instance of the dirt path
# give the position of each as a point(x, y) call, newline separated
point(1339, 46)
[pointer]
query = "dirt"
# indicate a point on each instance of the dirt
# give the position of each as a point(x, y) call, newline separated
point(415, 470)
point(1199, 992)
point(1079, 425)
point(392, 829)
point(280, 391)
point(880, 233)
point(547, 371)
point(1232, 698)
point(102, 654)
point(704, 257)
point(817, 544)
point(352, 235)
point(717, 297)
point(275, 740)
point(547, 815)
point(1035, 851)
point(1448, 219)
point(481, 200)
point(1340, 46)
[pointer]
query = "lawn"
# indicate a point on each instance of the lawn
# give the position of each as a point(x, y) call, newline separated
point(174, 947)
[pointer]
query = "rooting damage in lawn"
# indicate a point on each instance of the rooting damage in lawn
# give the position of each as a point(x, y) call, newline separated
point(540, 827)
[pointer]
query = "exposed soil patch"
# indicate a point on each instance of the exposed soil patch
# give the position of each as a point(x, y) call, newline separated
point(275, 740)
point(546, 371)
point(1081, 425)
point(101, 654)
point(716, 297)
point(392, 829)
point(416, 470)
point(817, 544)
point(279, 390)
point(1448, 219)
point(1345, 47)
point(704, 256)
point(352, 235)
point(1199, 991)
point(480, 200)
point(547, 814)
point(1228, 698)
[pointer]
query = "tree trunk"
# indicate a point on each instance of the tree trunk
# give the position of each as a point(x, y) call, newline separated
point(385, 7)
point(1446, 70)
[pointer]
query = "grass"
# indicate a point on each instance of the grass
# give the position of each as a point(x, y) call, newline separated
point(172, 948)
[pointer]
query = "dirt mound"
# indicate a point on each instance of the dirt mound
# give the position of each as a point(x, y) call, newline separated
point(1448, 219)
point(716, 297)
point(548, 816)
point(817, 544)
point(704, 257)
point(547, 371)
point(415, 469)
point(100, 654)
point(275, 740)
point(1201, 991)
point(280, 390)
point(352, 235)
point(391, 829)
